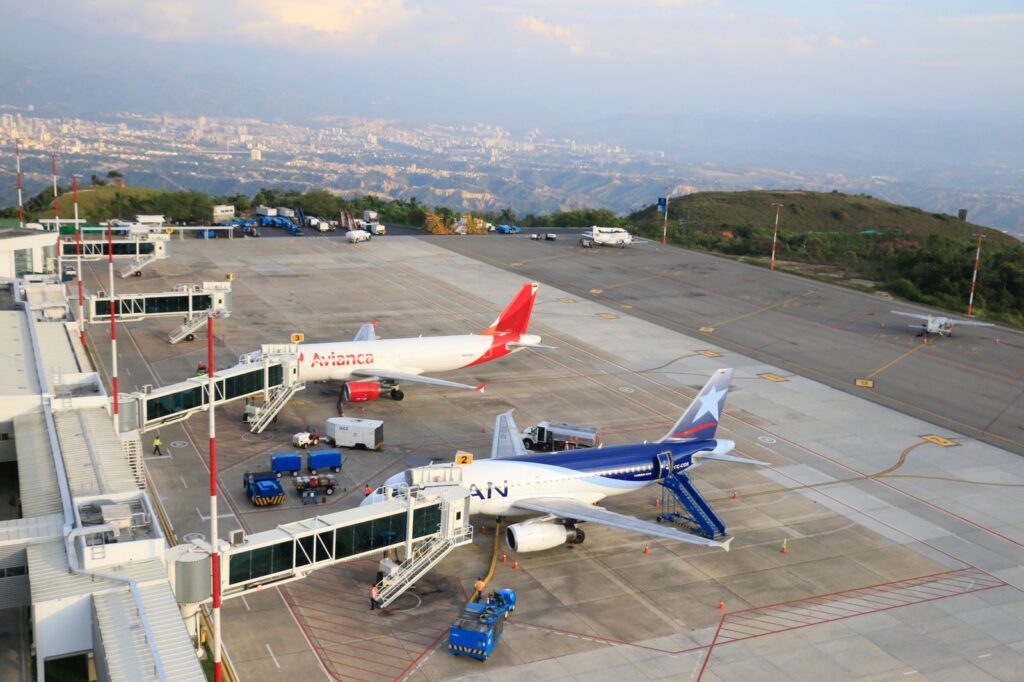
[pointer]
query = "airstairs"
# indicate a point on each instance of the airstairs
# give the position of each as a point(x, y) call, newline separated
point(190, 327)
point(261, 416)
point(135, 267)
point(424, 557)
point(680, 500)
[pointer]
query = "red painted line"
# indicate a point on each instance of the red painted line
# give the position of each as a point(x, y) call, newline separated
point(376, 640)
point(711, 647)
point(376, 661)
point(367, 627)
point(425, 652)
point(362, 623)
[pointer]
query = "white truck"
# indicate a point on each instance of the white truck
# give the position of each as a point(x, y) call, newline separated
point(370, 216)
point(376, 229)
point(554, 436)
point(352, 432)
point(606, 236)
point(266, 211)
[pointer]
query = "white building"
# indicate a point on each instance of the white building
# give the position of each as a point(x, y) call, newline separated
point(25, 251)
point(223, 212)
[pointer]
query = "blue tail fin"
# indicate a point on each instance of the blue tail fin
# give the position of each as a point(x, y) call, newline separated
point(700, 420)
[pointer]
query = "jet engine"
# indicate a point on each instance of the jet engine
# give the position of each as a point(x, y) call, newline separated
point(535, 537)
point(361, 391)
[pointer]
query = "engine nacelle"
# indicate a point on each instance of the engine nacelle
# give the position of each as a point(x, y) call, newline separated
point(360, 391)
point(535, 537)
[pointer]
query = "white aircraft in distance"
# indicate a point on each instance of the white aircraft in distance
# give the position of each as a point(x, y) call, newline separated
point(565, 487)
point(369, 366)
point(938, 324)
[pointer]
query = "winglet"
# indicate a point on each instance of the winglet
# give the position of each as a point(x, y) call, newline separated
point(725, 544)
point(481, 387)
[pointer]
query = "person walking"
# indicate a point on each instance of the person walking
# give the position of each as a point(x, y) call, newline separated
point(367, 490)
point(156, 446)
point(374, 594)
point(479, 587)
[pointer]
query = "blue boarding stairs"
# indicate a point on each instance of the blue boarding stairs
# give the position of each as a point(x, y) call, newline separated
point(680, 501)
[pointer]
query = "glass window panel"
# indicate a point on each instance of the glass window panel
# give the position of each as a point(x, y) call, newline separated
point(282, 559)
point(261, 562)
point(344, 539)
point(304, 552)
point(238, 567)
point(325, 546)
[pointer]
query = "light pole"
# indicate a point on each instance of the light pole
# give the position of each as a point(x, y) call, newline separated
point(974, 277)
point(78, 263)
point(664, 222)
point(775, 234)
point(214, 541)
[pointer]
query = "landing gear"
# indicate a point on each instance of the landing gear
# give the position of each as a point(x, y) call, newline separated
point(397, 394)
point(580, 537)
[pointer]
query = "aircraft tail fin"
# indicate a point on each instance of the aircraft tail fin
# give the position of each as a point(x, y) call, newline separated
point(515, 318)
point(700, 420)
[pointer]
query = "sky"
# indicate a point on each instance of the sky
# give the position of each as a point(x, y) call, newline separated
point(525, 63)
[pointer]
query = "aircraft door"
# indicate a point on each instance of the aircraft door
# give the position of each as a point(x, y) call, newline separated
point(663, 464)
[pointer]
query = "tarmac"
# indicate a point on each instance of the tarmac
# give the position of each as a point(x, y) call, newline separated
point(904, 538)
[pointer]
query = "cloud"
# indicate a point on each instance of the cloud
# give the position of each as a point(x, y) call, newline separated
point(841, 43)
point(553, 32)
point(982, 19)
point(802, 45)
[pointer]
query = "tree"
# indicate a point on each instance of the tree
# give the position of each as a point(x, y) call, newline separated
point(97, 181)
point(115, 174)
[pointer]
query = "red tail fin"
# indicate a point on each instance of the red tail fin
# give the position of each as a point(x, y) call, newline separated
point(516, 317)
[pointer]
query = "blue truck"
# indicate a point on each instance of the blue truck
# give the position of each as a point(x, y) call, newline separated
point(263, 489)
point(322, 460)
point(509, 229)
point(478, 628)
point(286, 463)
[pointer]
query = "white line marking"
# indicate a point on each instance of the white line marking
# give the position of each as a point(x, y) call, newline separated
point(246, 602)
point(206, 517)
point(984, 655)
point(272, 656)
point(911, 672)
point(183, 481)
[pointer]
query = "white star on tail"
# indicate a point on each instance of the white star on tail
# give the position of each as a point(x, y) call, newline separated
point(710, 402)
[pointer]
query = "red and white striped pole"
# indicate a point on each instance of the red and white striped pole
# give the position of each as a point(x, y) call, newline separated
point(214, 541)
point(78, 262)
point(17, 163)
point(775, 234)
point(56, 219)
point(974, 277)
point(113, 323)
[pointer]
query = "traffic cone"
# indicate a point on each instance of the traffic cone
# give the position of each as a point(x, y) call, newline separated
point(483, 530)
point(998, 341)
point(785, 546)
point(515, 565)
point(483, 429)
point(882, 325)
point(735, 495)
point(721, 606)
point(504, 558)
point(657, 504)
point(647, 550)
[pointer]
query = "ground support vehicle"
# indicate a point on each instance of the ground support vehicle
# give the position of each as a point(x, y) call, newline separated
point(324, 484)
point(303, 439)
point(356, 236)
point(263, 489)
point(554, 436)
point(479, 627)
point(605, 236)
point(509, 229)
point(324, 460)
point(286, 463)
point(550, 236)
point(352, 432)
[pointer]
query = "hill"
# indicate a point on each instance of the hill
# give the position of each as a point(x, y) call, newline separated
point(854, 240)
point(96, 203)
point(804, 211)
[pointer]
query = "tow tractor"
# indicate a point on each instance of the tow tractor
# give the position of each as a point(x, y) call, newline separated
point(478, 628)
point(263, 489)
point(303, 439)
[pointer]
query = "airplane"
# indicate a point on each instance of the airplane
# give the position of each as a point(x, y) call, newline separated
point(938, 324)
point(566, 487)
point(370, 366)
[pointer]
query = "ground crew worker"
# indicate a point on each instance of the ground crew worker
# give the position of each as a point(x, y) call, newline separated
point(374, 593)
point(156, 446)
point(367, 490)
point(479, 587)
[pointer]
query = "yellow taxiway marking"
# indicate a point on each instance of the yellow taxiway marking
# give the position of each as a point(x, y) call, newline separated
point(597, 292)
point(709, 353)
point(567, 300)
point(864, 383)
point(939, 440)
point(632, 281)
point(625, 306)
point(772, 377)
point(517, 264)
point(608, 316)
point(764, 309)
point(707, 330)
point(894, 361)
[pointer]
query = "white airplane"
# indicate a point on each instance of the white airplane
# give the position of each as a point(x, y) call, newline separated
point(938, 324)
point(565, 487)
point(369, 366)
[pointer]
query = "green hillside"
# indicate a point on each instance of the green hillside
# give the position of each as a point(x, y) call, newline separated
point(804, 211)
point(855, 240)
point(94, 203)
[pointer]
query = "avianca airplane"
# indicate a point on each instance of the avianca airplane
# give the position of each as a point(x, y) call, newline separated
point(565, 487)
point(369, 366)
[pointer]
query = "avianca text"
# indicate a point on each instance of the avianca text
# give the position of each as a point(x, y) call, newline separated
point(333, 359)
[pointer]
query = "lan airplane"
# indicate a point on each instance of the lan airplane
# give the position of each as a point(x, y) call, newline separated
point(566, 487)
point(938, 324)
point(369, 366)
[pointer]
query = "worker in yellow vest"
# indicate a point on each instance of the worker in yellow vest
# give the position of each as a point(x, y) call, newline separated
point(156, 446)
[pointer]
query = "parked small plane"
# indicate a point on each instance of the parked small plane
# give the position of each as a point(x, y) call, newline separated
point(938, 324)
point(565, 487)
point(369, 366)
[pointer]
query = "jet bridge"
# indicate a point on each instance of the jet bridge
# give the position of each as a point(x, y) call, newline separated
point(140, 248)
point(193, 301)
point(270, 375)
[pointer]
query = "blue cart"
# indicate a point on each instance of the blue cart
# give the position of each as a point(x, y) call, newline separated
point(479, 627)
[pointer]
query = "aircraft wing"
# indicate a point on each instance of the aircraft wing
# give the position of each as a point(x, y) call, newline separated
point(507, 442)
point(916, 316)
point(389, 375)
point(970, 323)
point(366, 333)
point(566, 508)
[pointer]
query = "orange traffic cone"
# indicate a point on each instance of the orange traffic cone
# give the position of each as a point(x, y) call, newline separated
point(504, 558)
point(483, 429)
point(883, 325)
point(515, 565)
point(998, 341)
point(483, 530)
point(735, 495)
point(721, 606)
point(647, 550)
point(657, 504)
point(785, 546)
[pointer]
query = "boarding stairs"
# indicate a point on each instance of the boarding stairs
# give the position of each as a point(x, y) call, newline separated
point(135, 267)
point(680, 500)
point(131, 447)
point(424, 557)
point(261, 416)
point(191, 326)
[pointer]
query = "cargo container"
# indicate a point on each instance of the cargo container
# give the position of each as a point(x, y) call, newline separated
point(351, 432)
point(322, 460)
point(286, 462)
